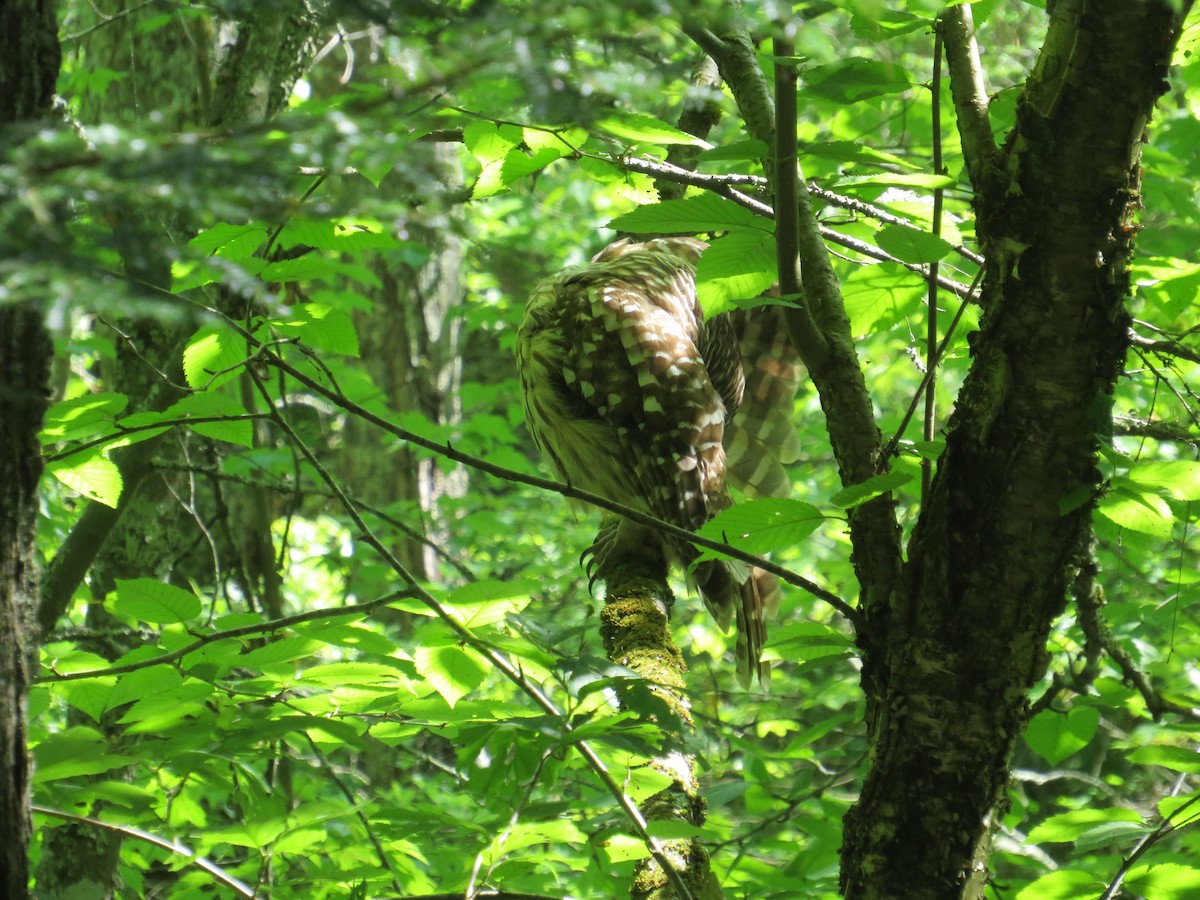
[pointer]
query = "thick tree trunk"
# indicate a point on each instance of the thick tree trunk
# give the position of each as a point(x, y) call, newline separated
point(991, 560)
point(29, 62)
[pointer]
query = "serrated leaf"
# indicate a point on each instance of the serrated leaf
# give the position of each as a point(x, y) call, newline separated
point(167, 707)
point(760, 526)
point(750, 149)
point(453, 671)
point(623, 848)
point(895, 179)
point(876, 486)
point(231, 241)
point(1165, 881)
point(880, 296)
point(142, 683)
point(80, 416)
point(208, 404)
point(1109, 834)
point(283, 650)
point(1177, 478)
point(326, 328)
point(911, 245)
point(354, 673)
point(89, 696)
point(735, 267)
point(154, 601)
point(1054, 735)
point(1065, 884)
point(74, 752)
point(854, 152)
point(94, 476)
point(639, 128)
point(1068, 826)
point(518, 163)
point(704, 212)
point(1178, 759)
point(854, 79)
point(213, 349)
point(490, 144)
point(1131, 508)
point(303, 268)
point(488, 602)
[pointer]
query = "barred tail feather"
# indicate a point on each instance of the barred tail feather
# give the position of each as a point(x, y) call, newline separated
point(744, 596)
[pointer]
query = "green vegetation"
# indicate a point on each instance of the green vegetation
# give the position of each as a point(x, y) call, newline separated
point(310, 622)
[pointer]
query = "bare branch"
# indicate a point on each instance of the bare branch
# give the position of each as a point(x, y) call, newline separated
point(970, 95)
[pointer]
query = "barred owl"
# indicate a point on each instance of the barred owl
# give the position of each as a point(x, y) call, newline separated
point(628, 393)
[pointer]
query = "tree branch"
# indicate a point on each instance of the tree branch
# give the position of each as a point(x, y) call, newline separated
point(970, 96)
point(242, 890)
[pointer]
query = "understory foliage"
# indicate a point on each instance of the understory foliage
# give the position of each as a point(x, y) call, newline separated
point(391, 698)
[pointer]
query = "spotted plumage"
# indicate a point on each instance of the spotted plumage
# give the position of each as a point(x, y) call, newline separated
point(628, 393)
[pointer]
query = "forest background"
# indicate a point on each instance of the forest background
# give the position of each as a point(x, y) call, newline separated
point(309, 619)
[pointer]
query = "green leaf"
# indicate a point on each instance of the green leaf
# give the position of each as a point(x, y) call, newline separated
point(1111, 834)
point(355, 673)
point(74, 752)
point(805, 641)
point(80, 417)
point(639, 128)
point(893, 179)
point(321, 327)
point(230, 241)
point(911, 245)
point(691, 215)
point(168, 707)
point(518, 163)
point(488, 602)
point(154, 602)
point(1165, 881)
point(854, 79)
point(1068, 826)
point(453, 671)
point(1054, 735)
point(278, 651)
point(490, 145)
point(208, 404)
point(735, 267)
point(623, 848)
point(880, 296)
point(308, 267)
point(1130, 508)
point(95, 476)
point(750, 149)
point(1178, 759)
point(1177, 478)
point(857, 494)
point(1065, 884)
point(760, 526)
point(854, 152)
point(213, 349)
point(143, 683)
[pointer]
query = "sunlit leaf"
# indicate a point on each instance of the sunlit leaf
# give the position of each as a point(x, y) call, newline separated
point(452, 670)
point(154, 601)
point(760, 526)
point(1054, 735)
point(639, 128)
point(91, 474)
point(1070, 825)
point(214, 354)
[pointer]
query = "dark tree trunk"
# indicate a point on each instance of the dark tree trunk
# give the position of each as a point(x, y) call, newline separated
point(990, 564)
point(29, 61)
